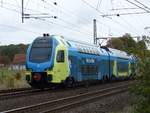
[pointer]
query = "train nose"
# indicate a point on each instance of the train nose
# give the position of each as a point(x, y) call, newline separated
point(37, 77)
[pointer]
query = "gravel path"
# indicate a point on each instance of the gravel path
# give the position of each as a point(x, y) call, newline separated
point(48, 95)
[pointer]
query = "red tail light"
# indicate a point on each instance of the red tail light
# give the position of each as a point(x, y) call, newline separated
point(37, 77)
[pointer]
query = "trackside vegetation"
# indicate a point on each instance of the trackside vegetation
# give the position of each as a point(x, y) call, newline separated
point(10, 79)
point(141, 89)
point(142, 86)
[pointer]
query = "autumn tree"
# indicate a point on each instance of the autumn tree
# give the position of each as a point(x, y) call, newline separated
point(115, 43)
point(4, 60)
point(12, 49)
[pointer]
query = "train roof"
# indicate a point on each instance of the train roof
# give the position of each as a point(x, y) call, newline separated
point(85, 47)
point(98, 50)
point(119, 53)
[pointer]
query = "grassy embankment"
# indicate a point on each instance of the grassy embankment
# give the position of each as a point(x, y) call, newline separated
point(10, 79)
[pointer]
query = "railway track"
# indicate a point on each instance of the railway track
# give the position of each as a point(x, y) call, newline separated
point(14, 90)
point(72, 101)
point(6, 94)
point(13, 93)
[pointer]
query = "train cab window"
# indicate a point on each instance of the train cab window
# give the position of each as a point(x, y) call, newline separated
point(60, 56)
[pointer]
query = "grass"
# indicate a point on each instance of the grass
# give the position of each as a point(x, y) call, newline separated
point(10, 79)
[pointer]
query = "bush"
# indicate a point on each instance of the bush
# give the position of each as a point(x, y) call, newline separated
point(142, 88)
point(10, 79)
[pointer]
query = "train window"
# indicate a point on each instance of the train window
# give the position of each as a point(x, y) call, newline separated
point(40, 54)
point(89, 69)
point(88, 49)
point(41, 50)
point(122, 66)
point(60, 56)
point(62, 42)
point(68, 44)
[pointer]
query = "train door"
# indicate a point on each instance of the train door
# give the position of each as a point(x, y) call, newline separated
point(73, 67)
point(60, 70)
point(104, 68)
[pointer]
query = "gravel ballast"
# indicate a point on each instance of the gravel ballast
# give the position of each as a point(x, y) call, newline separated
point(50, 95)
point(120, 103)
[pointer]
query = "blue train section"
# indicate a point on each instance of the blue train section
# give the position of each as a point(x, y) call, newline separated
point(56, 60)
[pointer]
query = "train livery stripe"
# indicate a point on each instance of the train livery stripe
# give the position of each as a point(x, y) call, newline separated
point(60, 70)
point(129, 68)
point(120, 74)
point(115, 68)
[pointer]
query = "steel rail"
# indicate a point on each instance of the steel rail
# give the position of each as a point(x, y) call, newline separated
point(67, 102)
point(17, 93)
point(14, 90)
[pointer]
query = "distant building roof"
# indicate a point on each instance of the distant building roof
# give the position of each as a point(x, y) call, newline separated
point(19, 59)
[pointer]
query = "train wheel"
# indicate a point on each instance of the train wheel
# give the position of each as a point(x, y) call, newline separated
point(69, 82)
point(104, 79)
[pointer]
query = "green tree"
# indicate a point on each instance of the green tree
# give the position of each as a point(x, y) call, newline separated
point(141, 89)
point(11, 50)
point(142, 86)
point(115, 43)
point(129, 43)
point(4, 60)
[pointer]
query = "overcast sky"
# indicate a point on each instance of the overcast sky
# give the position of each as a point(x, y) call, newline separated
point(74, 19)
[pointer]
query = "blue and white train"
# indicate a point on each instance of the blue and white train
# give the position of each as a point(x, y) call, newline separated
point(55, 60)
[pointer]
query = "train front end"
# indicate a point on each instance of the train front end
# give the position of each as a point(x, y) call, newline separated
point(39, 60)
point(47, 62)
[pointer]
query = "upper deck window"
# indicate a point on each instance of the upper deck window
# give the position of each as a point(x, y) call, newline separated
point(87, 49)
point(68, 44)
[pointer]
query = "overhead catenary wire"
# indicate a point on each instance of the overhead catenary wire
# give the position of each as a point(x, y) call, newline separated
point(120, 24)
point(125, 21)
point(18, 8)
point(93, 7)
point(17, 3)
point(125, 8)
point(73, 14)
point(134, 19)
point(130, 25)
point(138, 6)
point(27, 3)
point(119, 14)
point(70, 13)
point(67, 27)
point(98, 4)
point(36, 17)
point(142, 4)
point(69, 24)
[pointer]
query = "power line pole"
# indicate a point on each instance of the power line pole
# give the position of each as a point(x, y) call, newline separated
point(94, 31)
point(22, 11)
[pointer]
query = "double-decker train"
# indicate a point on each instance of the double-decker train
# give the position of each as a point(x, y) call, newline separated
point(52, 60)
